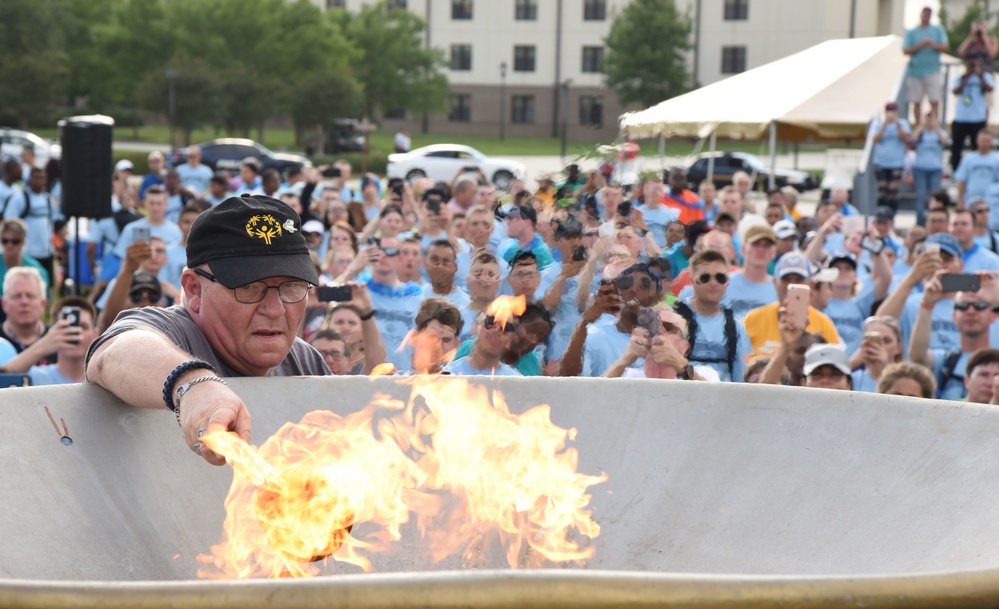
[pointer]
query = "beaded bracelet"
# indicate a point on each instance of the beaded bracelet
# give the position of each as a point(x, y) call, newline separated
point(194, 364)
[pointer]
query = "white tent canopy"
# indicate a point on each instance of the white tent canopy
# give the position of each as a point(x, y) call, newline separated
point(831, 90)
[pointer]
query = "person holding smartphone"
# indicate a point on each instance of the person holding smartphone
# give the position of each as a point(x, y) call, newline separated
point(891, 137)
point(980, 45)
point(69, 366)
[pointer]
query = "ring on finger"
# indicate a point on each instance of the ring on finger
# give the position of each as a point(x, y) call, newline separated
point(198, 446)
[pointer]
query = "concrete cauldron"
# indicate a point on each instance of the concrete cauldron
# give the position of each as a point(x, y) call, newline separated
point(718, 496)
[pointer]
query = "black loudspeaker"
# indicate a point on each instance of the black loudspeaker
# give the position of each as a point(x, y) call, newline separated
point(86, 166)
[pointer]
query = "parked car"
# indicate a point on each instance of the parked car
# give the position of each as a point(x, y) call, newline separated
point(728, 163)
point(228, 153)
point(441, 162)
point(13, 140)
point(343, 136)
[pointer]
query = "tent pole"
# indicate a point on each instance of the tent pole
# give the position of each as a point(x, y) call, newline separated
point(773, 155)
point(711, 159)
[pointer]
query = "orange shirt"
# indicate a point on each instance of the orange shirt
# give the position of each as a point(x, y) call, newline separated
point(688, 204)
point(761, 327)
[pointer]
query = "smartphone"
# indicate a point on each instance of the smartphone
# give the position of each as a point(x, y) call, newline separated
point(854, 224)
point(579, 253)
point(334, 293)
point(874, 337)
point(872, 244)
point(72, 315)
point(434, 205)
point(140, 233)
point(931, 247)
point(953, 282)
point(331, 172)
point(624, 209)
point(798, 297)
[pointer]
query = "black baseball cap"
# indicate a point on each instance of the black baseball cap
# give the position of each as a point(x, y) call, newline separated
point(250, 238)
point(144, 281)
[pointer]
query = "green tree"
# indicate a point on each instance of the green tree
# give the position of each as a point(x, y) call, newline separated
point(395, 70)
point(197, 93)
point(957, 30)
point(33, 60)
point(646, 59)
point(321, 98)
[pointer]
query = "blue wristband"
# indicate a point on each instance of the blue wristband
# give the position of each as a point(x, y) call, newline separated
point(168, 386)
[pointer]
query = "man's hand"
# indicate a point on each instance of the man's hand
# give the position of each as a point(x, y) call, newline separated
point(873, 352)
point(572, 268)
point(832, 225)
point(933, 290)
point(607, 300)
point(790, 334)
point(664, 353)
point(135, 254)
point(989, 291)
point(927, 264)
point(359, 297)
point(60, 336)
point(638, 346)
point(211, 405)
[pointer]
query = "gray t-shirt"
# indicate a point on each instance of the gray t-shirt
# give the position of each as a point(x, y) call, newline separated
point(177, 325)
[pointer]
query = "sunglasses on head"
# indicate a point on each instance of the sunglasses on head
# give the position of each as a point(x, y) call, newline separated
point(703, 278)
point(138, 297)
point(979, 305)
point(490, 323)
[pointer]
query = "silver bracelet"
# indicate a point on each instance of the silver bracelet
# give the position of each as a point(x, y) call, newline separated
point(183, 389)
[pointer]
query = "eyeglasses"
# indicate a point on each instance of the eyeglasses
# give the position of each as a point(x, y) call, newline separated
point(524, 275)
point(138, 297)
point(979, 305)
point(11, 241)
point(704, 278)
point(391, 252)
point(159, 250)
point(490, 322)
point(289, 292)
point(673, 329)
point(591, 234)
point(983, 210)
point(331, 353)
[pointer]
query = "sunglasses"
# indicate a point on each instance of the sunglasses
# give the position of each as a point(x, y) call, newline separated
point(704, 278)
point(979, 305)
point(490, 322)
point(391, 252)
point(11, 241)
point(140, 296)
point(627, 281)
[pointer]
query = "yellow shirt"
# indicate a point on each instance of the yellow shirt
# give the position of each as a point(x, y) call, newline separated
point(764, 335)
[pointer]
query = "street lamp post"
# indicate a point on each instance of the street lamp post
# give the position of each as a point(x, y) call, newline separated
point(503, 100)
point(565, 117)
point(171, 75)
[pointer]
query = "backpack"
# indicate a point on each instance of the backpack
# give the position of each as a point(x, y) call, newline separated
point(731, 337)
point(27, 205)
point(947, 372)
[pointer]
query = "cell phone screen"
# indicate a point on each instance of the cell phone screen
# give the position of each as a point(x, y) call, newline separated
point(953, 282)
point(334, 293)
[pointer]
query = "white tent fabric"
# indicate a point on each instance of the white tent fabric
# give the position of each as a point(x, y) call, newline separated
point(830, 90)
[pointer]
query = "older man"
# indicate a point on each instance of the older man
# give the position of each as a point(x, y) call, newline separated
point(194, 173)
point(244, 298)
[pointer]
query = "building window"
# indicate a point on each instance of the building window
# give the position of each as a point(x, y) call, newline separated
point(523, 58)
point(461, 57)
point(461, 9)
point(591, 110)
point(594, 10)
point(461, 108)
point(736, 10)
point(522, 110)
point(336, 4)
point(591, 58)
point(526, 10)
point(733, 60)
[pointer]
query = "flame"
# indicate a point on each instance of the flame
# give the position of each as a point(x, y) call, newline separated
point(505, 307)
point(452, 462)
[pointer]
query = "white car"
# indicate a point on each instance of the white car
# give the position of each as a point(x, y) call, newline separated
point(13, 140)
point(442, 162)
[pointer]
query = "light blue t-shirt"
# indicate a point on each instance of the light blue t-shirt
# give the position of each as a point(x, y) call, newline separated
point(463, 367)
point(992, 198)
point(174, 267)
point(458, 297)
point(944, 334)
point(604, 345)
point(890, 151)
point(862, 381)
point(566, 314)
point(711, 346)
point(972, 106)
point(47, 375)
point(198, 177)
point(168, 232)
point(656, 219)
point(848, 316)
point(977, 258)
point(926, 61)
point(7, 351)
point(953, 388)
point(43, 210)
point(929, 151)
point(395, 311)
point(978, 172)
point(742, 295)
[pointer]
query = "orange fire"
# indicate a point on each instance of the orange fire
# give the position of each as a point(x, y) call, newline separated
point(453, 462)
point(505, 307)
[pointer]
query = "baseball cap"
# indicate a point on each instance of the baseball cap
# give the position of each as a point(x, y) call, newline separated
point(313, 226)
point(826, 355)
point(825, 276)
point(144, 281)
point(891, 106)
point(124, 165)
point(947, 242)
point(976, 202)
point(250, 238)
point(724, 215)
point(838, 256)
point(759, 231)
point(883, 213)
point(785, 228)
point(793, 263)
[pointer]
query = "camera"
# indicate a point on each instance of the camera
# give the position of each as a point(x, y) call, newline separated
point(334, 293)
point(331, 172)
